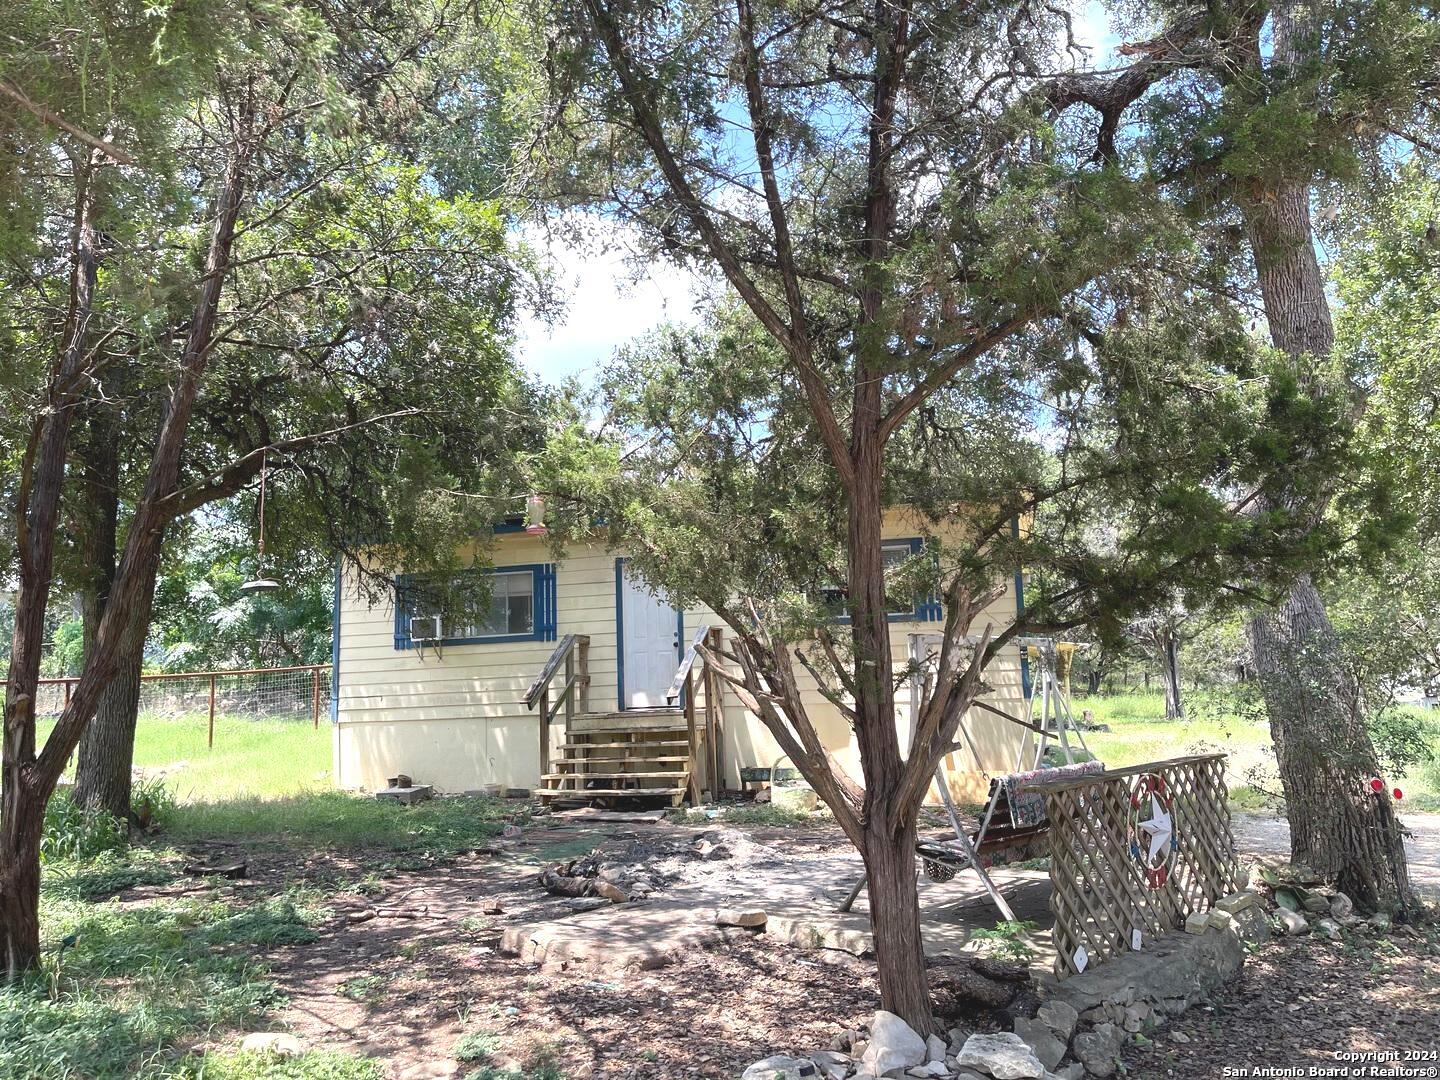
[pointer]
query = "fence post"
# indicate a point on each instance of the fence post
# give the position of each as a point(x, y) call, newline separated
point(210, 737)
point(67, 694)
point(315, 701)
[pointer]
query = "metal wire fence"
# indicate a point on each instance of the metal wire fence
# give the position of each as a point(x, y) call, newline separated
point(282, 693)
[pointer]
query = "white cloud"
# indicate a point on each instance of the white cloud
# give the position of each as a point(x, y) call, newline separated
point(603, 304)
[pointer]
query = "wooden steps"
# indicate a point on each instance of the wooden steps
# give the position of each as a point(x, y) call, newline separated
point(647, 749)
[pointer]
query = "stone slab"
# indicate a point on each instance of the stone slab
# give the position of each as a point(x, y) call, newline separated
point(1171, 973)
point(641, 935)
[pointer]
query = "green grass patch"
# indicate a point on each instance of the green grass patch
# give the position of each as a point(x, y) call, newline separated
point(261, 758)
point(316, 1065)
point(1139, 733)
point(111, 873)
point(477, 1047)
point(334, 820)
point(134, 984)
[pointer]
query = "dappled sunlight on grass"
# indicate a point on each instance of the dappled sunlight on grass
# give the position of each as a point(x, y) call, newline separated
point(261, 758)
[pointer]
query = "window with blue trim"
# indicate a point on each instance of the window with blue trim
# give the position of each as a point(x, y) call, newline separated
point(914, 608)
point(474, 607)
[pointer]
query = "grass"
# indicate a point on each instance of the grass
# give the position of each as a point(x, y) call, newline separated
point(258, 758)
point(1139, 732)
point(127, 990)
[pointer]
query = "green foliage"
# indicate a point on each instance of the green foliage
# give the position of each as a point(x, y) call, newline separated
point(109, 873)
point(417, 835)
point(476, 1046)
point(313, 1065)
point(73, 832)
point(136, 981)
point(1009, 940)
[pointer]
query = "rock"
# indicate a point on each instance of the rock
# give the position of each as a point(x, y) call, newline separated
point(1197, 922)
point(1003, 1055)
point(893, 1045)
point(1098, 1049)
point(929, 1069)
point(739, 917)
point(832, 1065)
point(1315, 903)
point(278, 1043)
point(935, 1048)
point(1135, 1016)
point(1179, 1037)
point(1341, 906)
point(844, 1041)
point(1237, 901)
point(762, 796)
point(1042, 1041)
point(1221, 920)
point(1073, 1071)
point(1252, 925)
point(1060, 1017)
point(491, 907)
point(781, 1067)
point(1328, 928)
point(957, 1037)
point(1292, 922)
point(586, 903)
point(858, 1048)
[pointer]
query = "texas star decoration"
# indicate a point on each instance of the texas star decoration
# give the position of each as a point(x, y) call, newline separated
point(1158, 830)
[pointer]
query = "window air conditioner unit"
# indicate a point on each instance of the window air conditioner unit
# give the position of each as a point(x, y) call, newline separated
point(425, 628)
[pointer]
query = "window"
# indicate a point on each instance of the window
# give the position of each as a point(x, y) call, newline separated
point(521, 605)
point(893, 553)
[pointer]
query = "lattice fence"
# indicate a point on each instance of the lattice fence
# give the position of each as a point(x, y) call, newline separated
point(1133, 852)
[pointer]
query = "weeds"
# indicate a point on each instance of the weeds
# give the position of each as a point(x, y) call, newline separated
point(1007, 940)
point(477, 1047)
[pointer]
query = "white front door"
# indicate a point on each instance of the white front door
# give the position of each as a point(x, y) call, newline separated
point(649, 644)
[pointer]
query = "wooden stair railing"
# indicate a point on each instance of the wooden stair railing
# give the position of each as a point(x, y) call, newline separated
point(573, 653)
point(682, 688)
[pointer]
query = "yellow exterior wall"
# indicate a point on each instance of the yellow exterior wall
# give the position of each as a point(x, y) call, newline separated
point(458, 721)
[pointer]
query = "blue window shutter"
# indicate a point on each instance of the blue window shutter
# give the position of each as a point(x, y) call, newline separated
point(402, 611)
point(547, 621)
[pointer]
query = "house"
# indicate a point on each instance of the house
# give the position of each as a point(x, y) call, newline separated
point(446, 704)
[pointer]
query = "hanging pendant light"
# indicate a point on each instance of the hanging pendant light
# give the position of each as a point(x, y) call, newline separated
point(260, 584)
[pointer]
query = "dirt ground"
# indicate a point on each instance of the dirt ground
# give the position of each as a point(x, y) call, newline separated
point(1300, 1003)
point(406, 987)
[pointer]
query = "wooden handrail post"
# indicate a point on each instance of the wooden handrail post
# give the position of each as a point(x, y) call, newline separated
point(583, 647)
point(315, 701)
point(545, 732)
point(210, 733)
point(714, 721)
point(688, 701)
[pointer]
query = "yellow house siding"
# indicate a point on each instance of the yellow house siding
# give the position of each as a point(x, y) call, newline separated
point(458, 720)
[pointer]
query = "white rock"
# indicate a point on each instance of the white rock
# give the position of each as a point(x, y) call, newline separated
point(893, 1045)
point(929, 1069)
point(1341, 906)
point(272, 1042)
point(1003, 1055)
point(781, 1067)
point(1292, 922)
point(1328, 927)
point(935, 1048)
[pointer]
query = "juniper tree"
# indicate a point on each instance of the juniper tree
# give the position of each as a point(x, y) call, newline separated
point(934, 297)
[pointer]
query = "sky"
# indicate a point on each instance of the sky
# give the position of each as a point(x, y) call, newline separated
point(605, 305)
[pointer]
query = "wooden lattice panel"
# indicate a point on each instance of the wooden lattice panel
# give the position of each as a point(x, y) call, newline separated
point(1101, 890)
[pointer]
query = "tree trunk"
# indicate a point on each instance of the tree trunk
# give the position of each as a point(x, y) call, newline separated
point(107, 748)
point(29, 779)
point(1317, 715)
point(1169, 651)
point(1339, 827)
point(889, 855)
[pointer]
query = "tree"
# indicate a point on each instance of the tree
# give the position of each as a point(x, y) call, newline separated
point(1249, 110)
point(935, 303)
point(352, 251)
